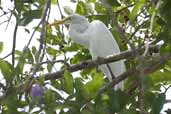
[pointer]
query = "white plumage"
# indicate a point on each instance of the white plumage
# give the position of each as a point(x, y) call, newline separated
point(100, 42)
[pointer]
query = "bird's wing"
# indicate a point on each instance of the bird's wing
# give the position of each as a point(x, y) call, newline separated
point(104, 40)
point(104, 44)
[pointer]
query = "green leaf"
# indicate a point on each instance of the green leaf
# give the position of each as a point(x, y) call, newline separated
point(100, 8)
point(80, 8)
point(1, 46)
point(101, 104)
point(88, 8)
point(159, 76)
point(41, 80)
point(158, 103)
point(12, 103)
point(19, 5)
point(91, 0)
point(94, 85)
point(113, 2)
point(118, 39)
point(54, 39)
point(110, 102)
point(117, 100)
point(34, 50)
point(156, 100)
point(84, 8)
point(52, 51)
point(29, 16)
point(86, 112)
point(139, 4)
point(24, 57)
point(81, 94)
point(6, 69)
point(165, 48)
point(53, 2)
point(68, 81)
point(20, 65)
point(50, 96)
point(73, 47)
point(82, 55)
point(28, 56)
point(165, 10)
point(49, 67)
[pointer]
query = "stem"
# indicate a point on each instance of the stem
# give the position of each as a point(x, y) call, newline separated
point(14, 42)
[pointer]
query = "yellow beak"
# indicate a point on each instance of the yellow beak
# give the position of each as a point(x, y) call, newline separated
point(58, 22)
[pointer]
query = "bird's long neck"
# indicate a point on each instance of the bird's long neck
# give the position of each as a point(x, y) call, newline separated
point(78, 35)
point(79, 27)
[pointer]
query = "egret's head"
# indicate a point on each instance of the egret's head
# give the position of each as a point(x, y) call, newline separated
point(72, 19)
point(76, 19)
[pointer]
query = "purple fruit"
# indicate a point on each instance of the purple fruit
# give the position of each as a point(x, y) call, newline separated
point(37, 91)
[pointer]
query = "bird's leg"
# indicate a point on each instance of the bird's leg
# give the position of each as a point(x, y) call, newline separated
point(97, 67)
point(110, 70)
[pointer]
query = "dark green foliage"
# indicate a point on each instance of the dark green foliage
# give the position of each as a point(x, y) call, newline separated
point(129, 21)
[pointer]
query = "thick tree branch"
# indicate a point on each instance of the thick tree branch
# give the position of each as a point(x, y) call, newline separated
point(92, 63)
point(135, 71)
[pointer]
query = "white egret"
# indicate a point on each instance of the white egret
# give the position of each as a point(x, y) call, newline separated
point(98, 39)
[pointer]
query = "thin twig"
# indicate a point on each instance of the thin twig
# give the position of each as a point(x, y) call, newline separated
point(53, 62)
point(4, 13)
point(124, 8)
point(136, 30)
point(42, 35)
point(12, 11)
point(33, 33)
point(167, 88)
point(14, 42)
point(62, 33)
point(3, 22)
point(5, 57)
point(44, 49)
point(60, 11)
